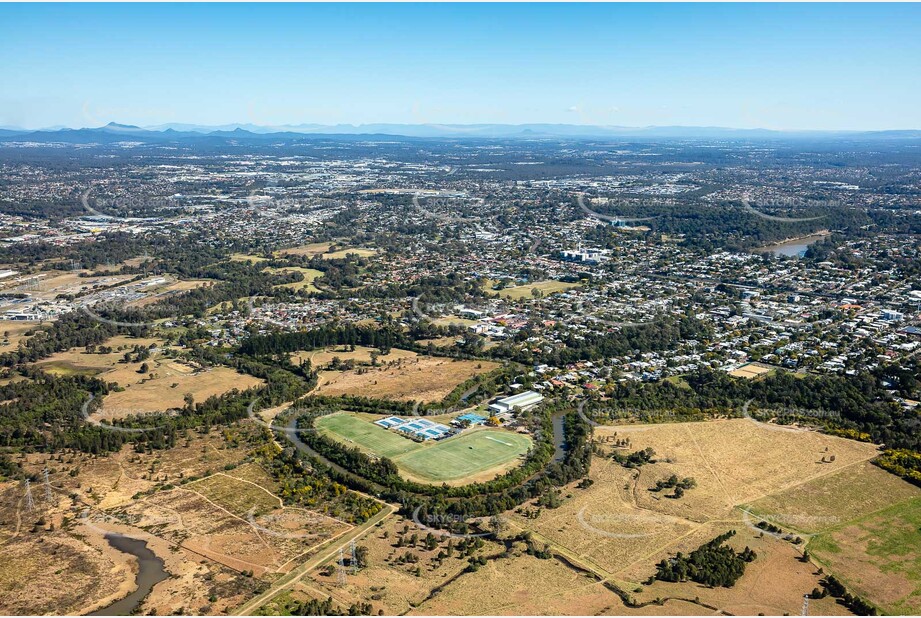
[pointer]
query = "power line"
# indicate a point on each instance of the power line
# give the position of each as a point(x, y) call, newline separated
point(30, 503)
point(341, 570)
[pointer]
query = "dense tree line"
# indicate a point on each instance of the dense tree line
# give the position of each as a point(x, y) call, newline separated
point(712, 564)
point(36, 410)
point(831, 586)
point(308, 487)
point(274, 344)
point(71, 330)
point(855, 405)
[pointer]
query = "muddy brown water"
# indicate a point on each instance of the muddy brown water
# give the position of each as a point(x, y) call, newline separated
point(150, 573)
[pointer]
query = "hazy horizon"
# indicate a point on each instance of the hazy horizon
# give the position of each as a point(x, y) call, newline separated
point(827, 67)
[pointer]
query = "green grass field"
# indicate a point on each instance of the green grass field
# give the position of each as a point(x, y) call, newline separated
point(878, 556)
point(455, 458)
point(464, 455)
point(366, 435)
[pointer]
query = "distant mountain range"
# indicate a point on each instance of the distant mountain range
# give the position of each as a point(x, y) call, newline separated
point(114, 132)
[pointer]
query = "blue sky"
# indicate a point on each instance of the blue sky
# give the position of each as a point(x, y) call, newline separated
point(778, 66)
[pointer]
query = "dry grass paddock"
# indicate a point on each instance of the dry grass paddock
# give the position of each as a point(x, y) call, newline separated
point(423, 378)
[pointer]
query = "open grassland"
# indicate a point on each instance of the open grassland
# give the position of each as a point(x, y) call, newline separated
point(341, 253)
point(476, 454)
point(111, 480)
point(12, 332)
point(829, 501)
point(361, 354)
point(521, 585)
point(239, 496)
point(545, 288)
point(441, 342)
point(310, 274)
point(163, 386)
point(327, 251)
point(734, 461)
point(425, 379)
point(172, 381)
point(864, 526)
point(245, 257)
point(777, 561)
point(619, 529)
point(132, 262)
point(453, 321)
point(316, 248)
point(878, 556)
point(77, 361)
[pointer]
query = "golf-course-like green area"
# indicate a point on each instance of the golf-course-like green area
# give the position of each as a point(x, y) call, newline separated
point(471, 453)
point(365, 435)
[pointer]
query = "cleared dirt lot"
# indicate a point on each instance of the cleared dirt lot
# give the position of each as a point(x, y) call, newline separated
point(47, 285)
point(160, 292)
point(425, 379)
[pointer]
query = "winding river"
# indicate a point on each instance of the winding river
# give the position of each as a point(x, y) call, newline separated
point(150, 573)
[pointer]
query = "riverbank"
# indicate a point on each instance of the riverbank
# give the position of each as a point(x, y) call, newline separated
point(793, 247)
point(135, 566)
